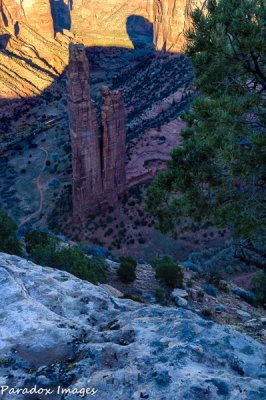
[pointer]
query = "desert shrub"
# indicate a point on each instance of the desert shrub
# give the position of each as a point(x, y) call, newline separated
point(159, 294)
point(130, 297)
point(200, 295)
point(44, 250)
point(38, 238)
point(156, 262)
point(206, 312)
point(126, 271)
point(223, 286)
point(210, 290)
point(249, 297)
point(142, 240)
point(189, 283)
point(9, 242)
point(259, 287)
point(169, 273)
point(72, 260)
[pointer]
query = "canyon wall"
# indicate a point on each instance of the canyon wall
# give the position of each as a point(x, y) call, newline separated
point(106, 23)
point(170, 20)
point(103, 22)
point(98, 164)
point(37, 13)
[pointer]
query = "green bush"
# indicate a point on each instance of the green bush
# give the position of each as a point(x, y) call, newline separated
point(72, 260)
point(126, 271)
point(170, 274)
point(156, 262)
point(9, 242)
point(130, 297)
point(38, 238)
point(44, 250)
point(207, 312)
point(159, 294)
point(259, 287)
point(189, 283)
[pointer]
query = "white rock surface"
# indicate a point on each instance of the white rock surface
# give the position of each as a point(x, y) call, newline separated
point(59, 330)
point(243, 314)
point(179, 293)
point(111, 290)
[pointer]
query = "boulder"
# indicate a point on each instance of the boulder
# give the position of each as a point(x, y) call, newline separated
point(181, 302)
point(220, 308)
point(179, 293)
point(192, 294)
point(243, 314)
point(111, 290)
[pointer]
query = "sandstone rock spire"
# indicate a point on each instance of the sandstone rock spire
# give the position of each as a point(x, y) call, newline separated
point(86, 162)
point(113, 143)
point(98, 164)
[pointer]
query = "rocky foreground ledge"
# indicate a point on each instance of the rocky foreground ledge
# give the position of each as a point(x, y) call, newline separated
point(58, 332)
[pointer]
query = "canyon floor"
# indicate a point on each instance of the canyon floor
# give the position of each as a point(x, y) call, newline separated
point(35, 163)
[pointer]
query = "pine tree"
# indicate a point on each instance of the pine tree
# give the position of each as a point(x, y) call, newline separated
point(9, 242)
point(218, 173)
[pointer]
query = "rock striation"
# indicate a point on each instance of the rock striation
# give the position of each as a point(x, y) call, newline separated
point(113, 120)
point(98, 163)
point(109, 20)
point(37, 13)
point(170, 20)
point(57, 330)
point(83, 127)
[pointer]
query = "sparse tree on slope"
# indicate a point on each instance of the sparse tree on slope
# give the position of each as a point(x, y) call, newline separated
point(219, 172)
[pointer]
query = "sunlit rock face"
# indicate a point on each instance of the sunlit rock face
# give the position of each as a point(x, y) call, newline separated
point(107, 22)
point(104, 23)
point(36, 13)
point(171, 19)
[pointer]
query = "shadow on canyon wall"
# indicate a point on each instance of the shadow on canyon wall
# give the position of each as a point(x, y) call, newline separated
point(61, 14)
point(110, 60)
point(4, 39)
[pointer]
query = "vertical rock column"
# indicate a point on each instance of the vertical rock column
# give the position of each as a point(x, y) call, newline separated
point(113, 115)
point(86, 162)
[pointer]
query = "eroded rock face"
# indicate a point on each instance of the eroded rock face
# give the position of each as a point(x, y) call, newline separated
point(86, 157)
point(171, 19)
point(68, 332)
point(110, 18)
point(36, 13)
point(113, 120)
point(98, 164)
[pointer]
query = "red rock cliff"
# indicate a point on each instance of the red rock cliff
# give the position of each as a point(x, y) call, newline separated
point(98, 164)
point(86, 161)
point(171, 19)
point(37, 13)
